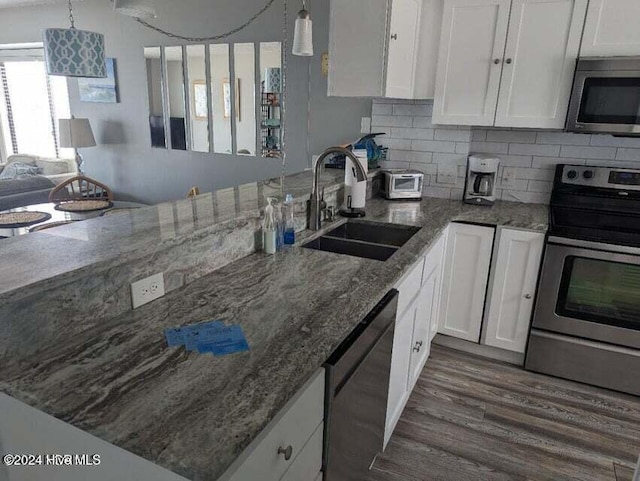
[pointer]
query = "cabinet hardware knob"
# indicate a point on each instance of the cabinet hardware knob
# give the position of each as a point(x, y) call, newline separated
point(509, 61)
point(528, 296)
point(496, 61)
point(394, 36)
point(418, 346)
point(286, 452)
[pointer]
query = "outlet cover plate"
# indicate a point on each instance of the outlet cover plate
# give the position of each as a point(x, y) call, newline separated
point(509, 175)
point(147, 290)
point(365, 125)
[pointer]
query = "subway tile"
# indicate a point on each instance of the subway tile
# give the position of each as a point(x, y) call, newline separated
point(437, 192)
point(551, 162)
point(518, 184)
point(390, 121)
point(420, 110)
point(535, 174)
point(515, 160)
point(400, 144)
point(443, 158)
point(410, 156)
point(540, 186)
point(382, 100)
point(527, 197)
point(478, 135)
point(456, 194)
point(453, 135)
point(462, 148)
point(535, 149)
point(390, 164)
point(588, 152)
point(423, 123)
point(563, 138)
point(410, 133)
point(628, 154)
point(611, 141)
point(426, 169)
point(519, 136)
point(433, 146)
point(489, 147)
point(382, 109)
point(615, 163)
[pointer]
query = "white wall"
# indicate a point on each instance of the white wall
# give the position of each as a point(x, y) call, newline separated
point(124, 159)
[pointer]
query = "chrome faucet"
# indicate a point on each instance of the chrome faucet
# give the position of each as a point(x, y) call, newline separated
point(315, 203)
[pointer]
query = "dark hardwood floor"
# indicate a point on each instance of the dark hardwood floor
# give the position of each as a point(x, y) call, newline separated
point(475, 419)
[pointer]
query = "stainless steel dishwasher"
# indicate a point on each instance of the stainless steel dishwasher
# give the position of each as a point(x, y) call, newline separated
point(357, 390)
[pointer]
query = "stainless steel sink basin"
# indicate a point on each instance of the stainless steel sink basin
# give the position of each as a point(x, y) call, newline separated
point(371, 240)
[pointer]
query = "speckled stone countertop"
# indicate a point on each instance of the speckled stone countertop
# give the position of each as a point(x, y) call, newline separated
point(194, 414)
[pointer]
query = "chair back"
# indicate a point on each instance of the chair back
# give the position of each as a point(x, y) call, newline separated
point(80, 187)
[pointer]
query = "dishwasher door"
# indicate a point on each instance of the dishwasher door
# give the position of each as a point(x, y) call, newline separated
point(357, 394)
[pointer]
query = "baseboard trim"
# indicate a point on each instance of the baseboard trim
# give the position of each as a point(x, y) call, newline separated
point(480, 350)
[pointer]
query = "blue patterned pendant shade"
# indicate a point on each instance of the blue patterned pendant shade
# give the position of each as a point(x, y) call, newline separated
point(74, 53)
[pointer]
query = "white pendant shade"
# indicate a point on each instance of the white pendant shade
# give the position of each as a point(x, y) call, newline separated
point(303, 35)
point(135, 8)
point(76, 133)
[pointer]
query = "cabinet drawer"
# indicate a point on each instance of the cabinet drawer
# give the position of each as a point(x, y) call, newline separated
point(309, 462)
point(409, 286)
point(293, 426)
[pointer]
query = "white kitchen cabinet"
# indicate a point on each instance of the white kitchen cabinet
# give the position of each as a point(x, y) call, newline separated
point(508, 63)
point(543, 44)
point(512, 289)
point(611, 29)
point(403, 48)
point(386, 48)
point(400, 365)
point(435, 257)
point(464, 280)
point(296, 427)
point(472, 42)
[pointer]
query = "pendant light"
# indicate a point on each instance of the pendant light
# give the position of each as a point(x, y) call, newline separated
point(70, 52)
point(303, 34)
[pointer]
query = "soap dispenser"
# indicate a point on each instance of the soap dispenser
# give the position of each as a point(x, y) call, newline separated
point(269, 228)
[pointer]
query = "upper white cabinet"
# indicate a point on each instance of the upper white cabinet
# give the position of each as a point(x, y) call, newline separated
point(611, 28)
point(384, 48)
point(472, 42)
point(514, 279)
point(507, 63)
point(540, 59)
point(464, 280)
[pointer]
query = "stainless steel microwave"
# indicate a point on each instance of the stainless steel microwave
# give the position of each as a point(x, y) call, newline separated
point(606, 96)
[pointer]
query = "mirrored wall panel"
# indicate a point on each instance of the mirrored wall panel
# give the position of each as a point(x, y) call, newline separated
point(152, 56)
point(220, 98)
point(270, 98)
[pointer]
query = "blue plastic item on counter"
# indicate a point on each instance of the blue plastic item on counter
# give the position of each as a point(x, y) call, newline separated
point(208, 337)
point(289, 221)
point(226, 341)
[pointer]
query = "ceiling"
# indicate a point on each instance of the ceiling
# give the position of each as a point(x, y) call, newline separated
point(29, 3)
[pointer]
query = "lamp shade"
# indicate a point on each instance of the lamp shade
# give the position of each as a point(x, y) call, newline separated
point(272, 80)
point(76, 133)
point(303, 35)
point(74, 53)
point(135, 8)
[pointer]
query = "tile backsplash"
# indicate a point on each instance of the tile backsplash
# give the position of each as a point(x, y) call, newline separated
point(415, 142)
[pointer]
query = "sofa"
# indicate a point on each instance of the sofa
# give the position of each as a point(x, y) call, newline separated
point(34, 189)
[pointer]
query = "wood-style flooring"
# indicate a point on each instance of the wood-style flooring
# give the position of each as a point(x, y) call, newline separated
point(475, 419)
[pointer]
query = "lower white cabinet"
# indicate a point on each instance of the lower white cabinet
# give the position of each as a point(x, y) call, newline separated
point(514, 278)
point(464, 280)
point(290, 447)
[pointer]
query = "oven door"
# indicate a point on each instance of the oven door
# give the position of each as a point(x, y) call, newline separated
point(590, 290)
point(605, 102)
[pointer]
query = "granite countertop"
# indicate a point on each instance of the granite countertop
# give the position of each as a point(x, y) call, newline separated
point(194, 414)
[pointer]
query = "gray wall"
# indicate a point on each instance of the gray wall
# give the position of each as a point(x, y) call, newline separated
point(125, 160)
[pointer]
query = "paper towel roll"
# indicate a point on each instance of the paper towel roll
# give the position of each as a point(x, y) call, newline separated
point(357, 190)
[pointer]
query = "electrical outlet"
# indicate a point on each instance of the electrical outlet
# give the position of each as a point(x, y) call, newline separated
point(147, 290)
point(509, 175)
point(447, 174)
point(365, 125)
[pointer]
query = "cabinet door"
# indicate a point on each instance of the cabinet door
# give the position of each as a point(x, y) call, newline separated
point(357, 43)
point(401, 60)
point(400, 362)
point(436, 256)
point(511, 297)
point(472, 42)
point(464, 280)
point(543, 44)
point(611, 28)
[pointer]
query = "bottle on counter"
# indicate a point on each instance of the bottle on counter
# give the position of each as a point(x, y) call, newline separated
point(289, 221)
point(269, 228)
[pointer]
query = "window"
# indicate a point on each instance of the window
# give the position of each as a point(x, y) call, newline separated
point(31, 102)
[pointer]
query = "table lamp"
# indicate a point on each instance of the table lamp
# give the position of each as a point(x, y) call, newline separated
point(76, 134)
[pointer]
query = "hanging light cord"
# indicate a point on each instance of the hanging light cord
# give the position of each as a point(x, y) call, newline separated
point(204, 39)
point(73, 24)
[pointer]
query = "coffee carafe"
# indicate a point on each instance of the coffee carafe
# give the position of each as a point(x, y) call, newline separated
point(482, 173)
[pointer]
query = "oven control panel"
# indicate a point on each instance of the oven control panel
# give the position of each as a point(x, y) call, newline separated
point(601, 177)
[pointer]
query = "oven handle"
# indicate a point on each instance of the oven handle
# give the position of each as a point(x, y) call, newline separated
point(600, 246)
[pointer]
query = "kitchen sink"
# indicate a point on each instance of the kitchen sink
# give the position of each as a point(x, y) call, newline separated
point(371, 240)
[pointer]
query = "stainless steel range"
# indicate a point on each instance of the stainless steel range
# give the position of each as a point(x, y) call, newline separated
point(586, 324)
